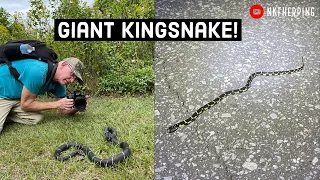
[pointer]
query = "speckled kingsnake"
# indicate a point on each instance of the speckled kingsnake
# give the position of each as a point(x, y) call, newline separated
point(207, 106)
point(110, 134)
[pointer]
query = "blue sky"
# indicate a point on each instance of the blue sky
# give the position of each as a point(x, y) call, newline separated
point(23, 5)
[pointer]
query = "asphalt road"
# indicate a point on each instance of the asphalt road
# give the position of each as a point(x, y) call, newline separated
point(272, 131)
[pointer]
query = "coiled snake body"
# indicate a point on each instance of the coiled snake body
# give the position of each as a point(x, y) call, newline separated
point(110, 134)
point(245, 88)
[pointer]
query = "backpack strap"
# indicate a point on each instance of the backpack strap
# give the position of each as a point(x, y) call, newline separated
point(52, 68)
point(13, 71)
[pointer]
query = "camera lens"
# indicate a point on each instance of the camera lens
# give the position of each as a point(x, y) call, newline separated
point(80, 103)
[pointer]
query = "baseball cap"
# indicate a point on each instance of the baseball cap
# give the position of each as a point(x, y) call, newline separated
point(76, 67)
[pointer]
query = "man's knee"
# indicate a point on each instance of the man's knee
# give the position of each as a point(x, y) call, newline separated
point(36, 118)
point(28, 118)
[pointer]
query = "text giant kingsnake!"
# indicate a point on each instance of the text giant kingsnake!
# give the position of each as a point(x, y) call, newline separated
point(110, 134)
point(209, 105)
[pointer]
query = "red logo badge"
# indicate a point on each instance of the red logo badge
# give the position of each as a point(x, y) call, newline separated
point(256, 11)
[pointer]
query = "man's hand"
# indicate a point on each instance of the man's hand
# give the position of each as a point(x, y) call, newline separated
point(72, 110)
point(87, 97)
point(65, 104)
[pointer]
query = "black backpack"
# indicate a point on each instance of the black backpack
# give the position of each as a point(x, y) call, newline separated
point(11, 52)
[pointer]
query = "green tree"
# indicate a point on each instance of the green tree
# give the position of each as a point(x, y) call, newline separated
point(4, 17)
point(39, 19)
point(4, 34)
point(17, 28)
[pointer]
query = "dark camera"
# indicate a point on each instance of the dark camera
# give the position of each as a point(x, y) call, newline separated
point(79, 98)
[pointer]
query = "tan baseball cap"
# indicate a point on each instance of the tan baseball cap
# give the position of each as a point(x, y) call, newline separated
point(76, 66)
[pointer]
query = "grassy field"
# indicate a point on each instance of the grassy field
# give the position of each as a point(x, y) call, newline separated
point(26, 152)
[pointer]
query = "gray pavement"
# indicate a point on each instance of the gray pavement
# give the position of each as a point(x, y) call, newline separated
point(272, 131)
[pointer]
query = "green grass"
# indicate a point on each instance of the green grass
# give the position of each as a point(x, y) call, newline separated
point(26, 152)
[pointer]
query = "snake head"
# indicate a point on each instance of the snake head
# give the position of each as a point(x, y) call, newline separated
point(111, 134)
point(173, 128)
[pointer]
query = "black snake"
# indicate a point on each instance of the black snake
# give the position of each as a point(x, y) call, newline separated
point(209, 105)
point(110, 134)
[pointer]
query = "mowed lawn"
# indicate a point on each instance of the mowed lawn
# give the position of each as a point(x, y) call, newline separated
point(26, 152)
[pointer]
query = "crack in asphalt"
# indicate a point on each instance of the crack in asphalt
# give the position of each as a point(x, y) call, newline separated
point(170, 87)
